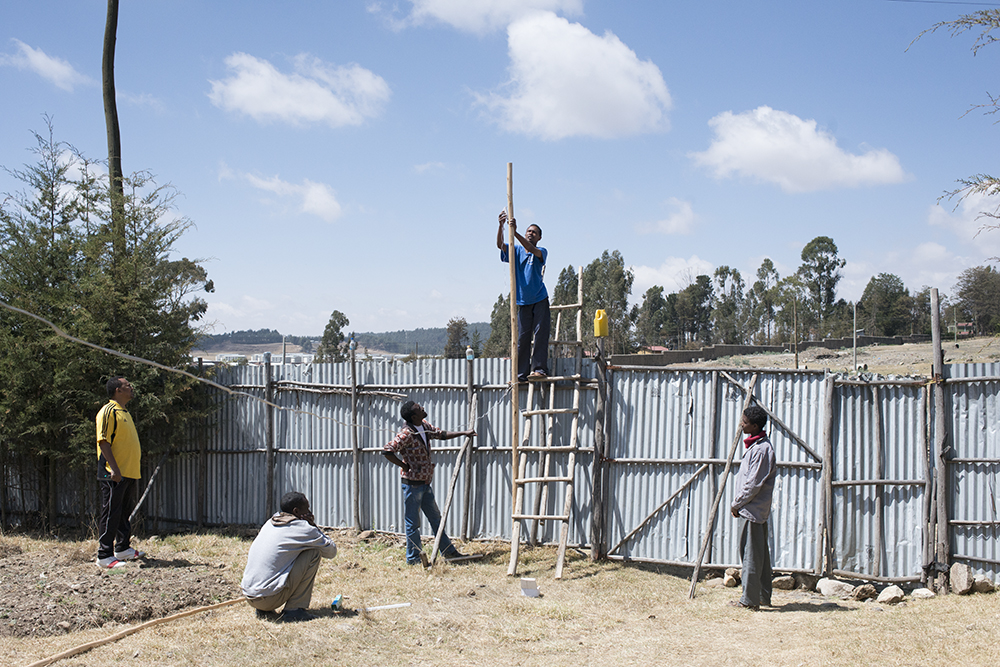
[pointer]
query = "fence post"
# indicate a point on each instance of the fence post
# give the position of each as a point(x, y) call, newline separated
point(268, 435)
point(597, 483)
point(467, 496)
point(942, 549)
point(928, 514)
point(355, 446)
point(202, 460)
point(826, 490)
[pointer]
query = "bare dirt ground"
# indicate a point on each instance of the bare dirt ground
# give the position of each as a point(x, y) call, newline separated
point(55, 587)
point(910, 359)
point(465, 614)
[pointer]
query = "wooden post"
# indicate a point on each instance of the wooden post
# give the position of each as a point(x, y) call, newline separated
point(435, 550)
point(718, 496)
point(268, 436)
point(928, 523)
point(879, 474)
point(355, 445)
point(942, 548)
point(467, 499)
point(514, 394)
point(202, 460)
point(825, 543)
point(597, 483)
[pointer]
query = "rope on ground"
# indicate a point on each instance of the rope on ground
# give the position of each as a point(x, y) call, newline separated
point(82, 648)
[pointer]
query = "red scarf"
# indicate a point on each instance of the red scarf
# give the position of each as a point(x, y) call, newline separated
point(749, 441)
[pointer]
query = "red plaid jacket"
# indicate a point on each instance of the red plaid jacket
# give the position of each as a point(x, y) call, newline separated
point(414, 452)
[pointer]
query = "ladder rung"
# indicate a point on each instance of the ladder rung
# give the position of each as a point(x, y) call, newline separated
point(542, 517)
point(553, 411)
point(530, 480)
point(543, 448)
point(566, 342)
point(555, 378)
point(566, 306)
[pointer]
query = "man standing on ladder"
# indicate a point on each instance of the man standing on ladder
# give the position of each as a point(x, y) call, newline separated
point(533, 317)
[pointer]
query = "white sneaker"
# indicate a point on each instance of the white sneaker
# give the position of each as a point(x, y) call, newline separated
point(130, 554)
point(109, 563)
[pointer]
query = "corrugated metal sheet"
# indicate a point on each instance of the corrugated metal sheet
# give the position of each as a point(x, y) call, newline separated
point(669, 424)
point(893, 547)
point(974, 429)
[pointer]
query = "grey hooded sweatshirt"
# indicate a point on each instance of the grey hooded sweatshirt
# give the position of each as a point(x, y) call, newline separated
point(274, 550)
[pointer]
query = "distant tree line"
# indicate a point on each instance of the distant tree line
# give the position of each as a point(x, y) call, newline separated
point(256, 337)
point(726, 308)
point(449, 341)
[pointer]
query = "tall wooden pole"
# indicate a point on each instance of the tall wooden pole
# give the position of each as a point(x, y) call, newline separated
point(515, 407)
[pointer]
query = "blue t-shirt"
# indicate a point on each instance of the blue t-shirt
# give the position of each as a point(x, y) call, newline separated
point(530, 288)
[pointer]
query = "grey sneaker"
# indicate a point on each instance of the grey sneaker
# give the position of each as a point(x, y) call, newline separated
point(130, 554)
point(109, 563)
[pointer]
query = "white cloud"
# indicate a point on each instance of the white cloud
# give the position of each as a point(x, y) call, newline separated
point(679, 222)
point(428, 166)
point(316, 92)
point(480, 16)
point(566, 81)
point(778, 147)
point(54, 70)
point(967, 223)
point(673, 275)
point(312, 198)
point(142, 100)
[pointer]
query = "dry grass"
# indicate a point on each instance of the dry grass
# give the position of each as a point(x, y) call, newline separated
point(473, 614)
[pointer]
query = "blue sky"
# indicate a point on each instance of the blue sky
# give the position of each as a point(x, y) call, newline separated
point(352, 155)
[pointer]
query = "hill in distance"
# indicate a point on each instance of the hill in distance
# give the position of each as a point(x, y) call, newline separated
point(429, 342)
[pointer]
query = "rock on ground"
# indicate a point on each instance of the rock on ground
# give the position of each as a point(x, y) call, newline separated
point(891, 595)
point(864, 592)
point(983, 584)
point(783, 583)
point(833, 588)
point(960, 578)
point(922, 594)
point(806, 581)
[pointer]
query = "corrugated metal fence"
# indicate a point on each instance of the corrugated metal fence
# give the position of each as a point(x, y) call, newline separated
point(853, 495)
point(670, 433)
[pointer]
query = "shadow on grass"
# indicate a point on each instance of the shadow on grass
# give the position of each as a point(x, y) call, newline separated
point(174, 563)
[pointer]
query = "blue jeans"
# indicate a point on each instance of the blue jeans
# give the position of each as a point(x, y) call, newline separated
point(417, 498)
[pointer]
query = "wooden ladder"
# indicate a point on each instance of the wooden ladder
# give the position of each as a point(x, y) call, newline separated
point(545, 454)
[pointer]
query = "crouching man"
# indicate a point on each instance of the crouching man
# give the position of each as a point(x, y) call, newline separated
point(283, 561)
